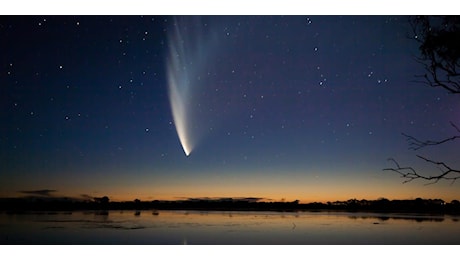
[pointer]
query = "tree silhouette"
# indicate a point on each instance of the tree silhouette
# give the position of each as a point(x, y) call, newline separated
point(439, 39)
point(102, 200)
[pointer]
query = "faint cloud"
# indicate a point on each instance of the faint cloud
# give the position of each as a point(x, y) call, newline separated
point(227, 199)
point(253, 199)
point(45, 192)
point(86, 196)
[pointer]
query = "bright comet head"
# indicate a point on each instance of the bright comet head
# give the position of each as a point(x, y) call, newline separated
point(179, 112)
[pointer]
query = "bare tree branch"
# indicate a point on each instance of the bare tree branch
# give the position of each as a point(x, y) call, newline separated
point(415, 144)
point(406, 172)
point(455, 126)
point(410, 174)
point(446, 170)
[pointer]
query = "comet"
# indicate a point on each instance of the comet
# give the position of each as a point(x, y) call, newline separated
point(179, 88)
point(179, 112)
point(192, 47)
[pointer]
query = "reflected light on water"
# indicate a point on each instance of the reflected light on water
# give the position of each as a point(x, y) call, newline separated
point(212, 227)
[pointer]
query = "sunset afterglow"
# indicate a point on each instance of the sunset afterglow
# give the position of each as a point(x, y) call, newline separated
point(280, 108)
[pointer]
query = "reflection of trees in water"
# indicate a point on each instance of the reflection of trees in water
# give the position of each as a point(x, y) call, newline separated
point(101, 215)
point(407, 218)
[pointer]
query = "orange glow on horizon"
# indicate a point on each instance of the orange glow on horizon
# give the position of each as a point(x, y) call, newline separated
point(276, 187)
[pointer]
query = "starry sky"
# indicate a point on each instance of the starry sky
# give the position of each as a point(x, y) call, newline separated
point(278, 107)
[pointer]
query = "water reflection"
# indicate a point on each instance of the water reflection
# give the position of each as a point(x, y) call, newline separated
point(102, 213)
point(213, 227)
point(417, 218)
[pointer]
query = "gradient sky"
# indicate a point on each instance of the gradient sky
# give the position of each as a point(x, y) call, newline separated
point(280, 107)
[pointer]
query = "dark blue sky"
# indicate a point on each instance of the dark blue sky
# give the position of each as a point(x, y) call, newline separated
point(295, 107)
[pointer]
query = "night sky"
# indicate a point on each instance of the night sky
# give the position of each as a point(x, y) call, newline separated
point(274, 107)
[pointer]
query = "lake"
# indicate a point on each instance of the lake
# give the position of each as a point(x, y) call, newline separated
point(226, 228)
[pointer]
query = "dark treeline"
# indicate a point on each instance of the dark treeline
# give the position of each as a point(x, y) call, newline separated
point(432, 206)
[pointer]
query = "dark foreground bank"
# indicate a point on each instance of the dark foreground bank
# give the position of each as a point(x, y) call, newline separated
point(429, 206)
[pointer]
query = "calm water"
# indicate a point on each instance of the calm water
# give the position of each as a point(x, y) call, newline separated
point(211, 227)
